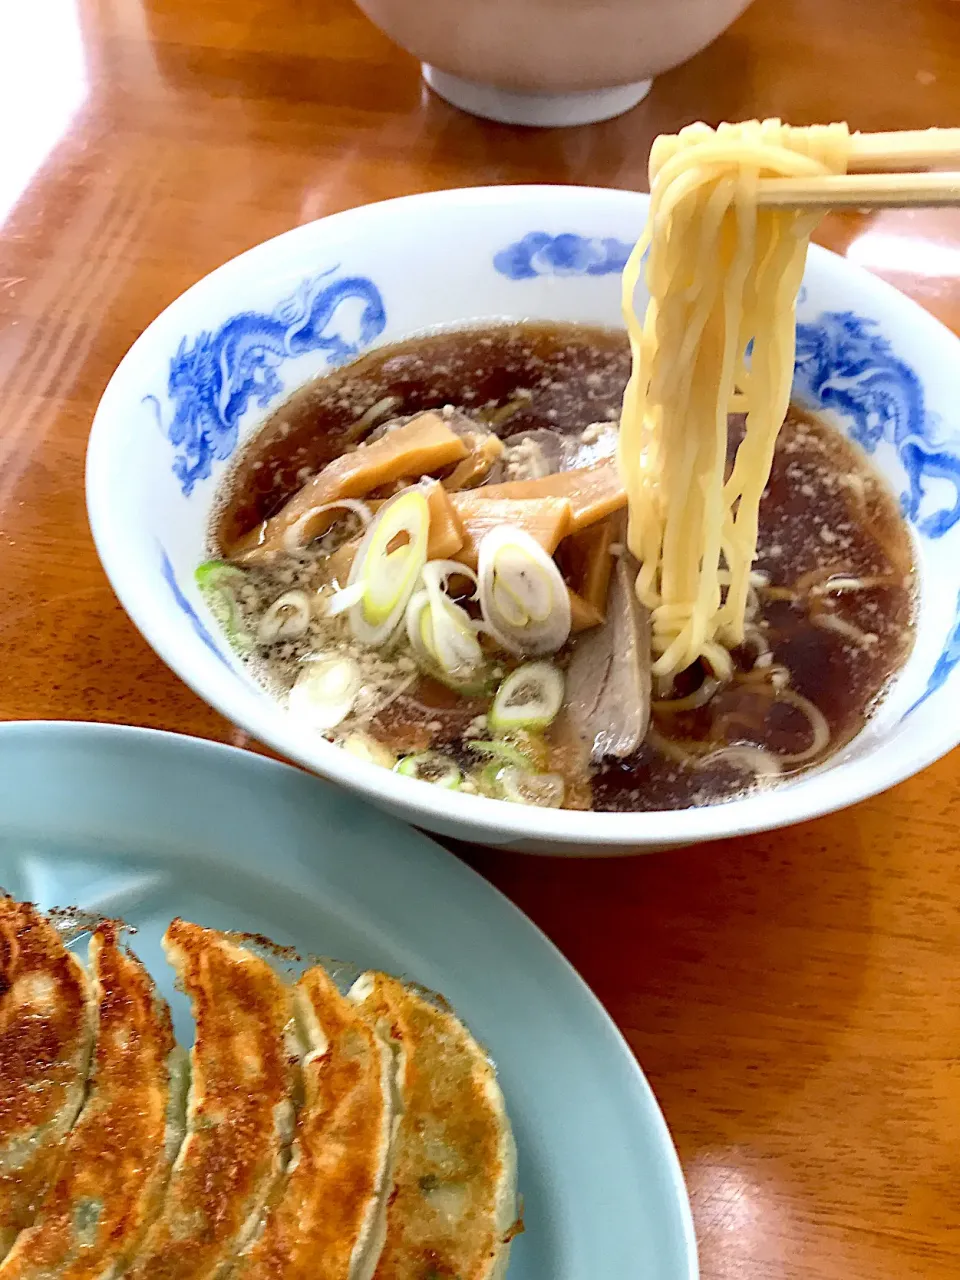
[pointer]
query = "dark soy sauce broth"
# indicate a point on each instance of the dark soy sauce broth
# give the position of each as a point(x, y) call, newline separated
point(826, 516)
point(575, 376)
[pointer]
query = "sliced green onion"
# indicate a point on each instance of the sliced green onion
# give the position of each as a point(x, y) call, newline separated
point(368, 749)
point(431, 766)
point(488, 781)
point(389, 577)
point(441, 633)
point(325, 691)
point(343, 600)
point(437, 573)
point(293, 536)
point(217, 573)
point(532, 745)
point(521, 785)
point(529, 698)
point(524, 599)
point(419, 630)
point(287, 618)
point(479, 684)
point(545, 790)
point(504, 752)
point(218, 581)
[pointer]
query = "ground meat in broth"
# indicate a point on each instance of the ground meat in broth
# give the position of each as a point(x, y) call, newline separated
point(825, 515)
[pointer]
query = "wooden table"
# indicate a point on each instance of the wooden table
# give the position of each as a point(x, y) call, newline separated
point(794, 998)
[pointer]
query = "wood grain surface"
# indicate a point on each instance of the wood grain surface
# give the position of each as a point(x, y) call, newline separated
point(794, 998)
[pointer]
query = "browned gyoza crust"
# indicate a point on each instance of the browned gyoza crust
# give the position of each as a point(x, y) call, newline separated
point(239, 1115)
point(454, 1164)
point(117, 1156)
point(46, 1032)
point(329, 1221)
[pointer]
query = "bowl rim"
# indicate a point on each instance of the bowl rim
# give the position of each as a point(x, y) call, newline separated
point(826, 790)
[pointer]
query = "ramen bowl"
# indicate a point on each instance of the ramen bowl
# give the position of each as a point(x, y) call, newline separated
point(207, 372)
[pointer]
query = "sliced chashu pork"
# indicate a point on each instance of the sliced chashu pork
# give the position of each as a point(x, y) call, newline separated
point(454, 1197)
point(46, 1035)
point(608, 680)
point(240, 1109)
point(330, 1219)
point(117, 1157)
point(541, 451)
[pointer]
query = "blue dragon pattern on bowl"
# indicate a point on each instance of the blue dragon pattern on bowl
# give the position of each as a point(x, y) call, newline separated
point(844, 364)
point(216, 375)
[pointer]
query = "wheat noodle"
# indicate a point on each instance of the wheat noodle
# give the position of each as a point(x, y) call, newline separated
point(722, 274)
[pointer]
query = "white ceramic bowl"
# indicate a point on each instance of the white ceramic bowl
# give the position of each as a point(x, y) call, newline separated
point(549, 62)
point(208, 371)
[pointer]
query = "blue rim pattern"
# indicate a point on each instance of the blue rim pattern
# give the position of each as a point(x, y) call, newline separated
point(844, 364)
point(199, 626)
point(568, 254)
point(945, 663)
point(215, 376)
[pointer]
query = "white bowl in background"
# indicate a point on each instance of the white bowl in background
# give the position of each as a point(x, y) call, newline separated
point(211, 368)
point(549, 62)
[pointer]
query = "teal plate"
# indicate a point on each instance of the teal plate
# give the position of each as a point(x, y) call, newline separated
point(151, 825)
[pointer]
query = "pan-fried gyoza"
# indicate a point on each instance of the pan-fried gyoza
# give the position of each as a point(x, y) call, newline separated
point(47, 1013)
point(116, 1159)
point(348, 1134)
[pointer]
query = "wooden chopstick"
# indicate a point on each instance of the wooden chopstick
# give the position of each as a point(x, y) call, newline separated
point(882, 175)
point(906, 149)
point(861, 191)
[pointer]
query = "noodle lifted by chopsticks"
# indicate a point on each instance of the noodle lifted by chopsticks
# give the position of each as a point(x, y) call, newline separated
point(722, 274)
